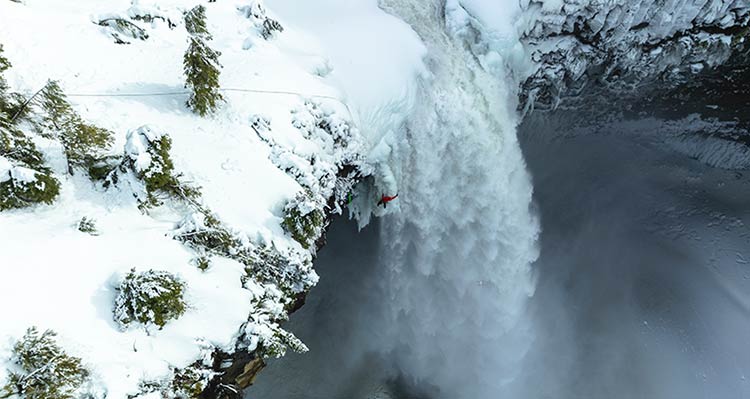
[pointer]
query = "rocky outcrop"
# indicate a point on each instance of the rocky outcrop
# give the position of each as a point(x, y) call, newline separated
point(585, 46)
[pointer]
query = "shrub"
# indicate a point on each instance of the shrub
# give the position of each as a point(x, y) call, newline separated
point(203, 232)
point(150, 167)
point(151, 297)
point(47, 371)
point(202, 263)
point(266, 26)
point(88, 226)
point(289, 271)
point(149, 15)
point(201, 63)
point(263, 333)
point(188, 383)
point(303, 220)
point(119, 27)
point(21, 186)
point(278, 344)
point(147, 154)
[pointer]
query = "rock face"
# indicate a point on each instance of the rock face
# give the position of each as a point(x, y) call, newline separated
point(581, 45)
point(235, 372)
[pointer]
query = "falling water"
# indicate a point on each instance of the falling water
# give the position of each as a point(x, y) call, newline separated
point(456, 256)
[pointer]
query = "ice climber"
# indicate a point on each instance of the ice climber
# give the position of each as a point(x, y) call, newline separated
point(384, 200)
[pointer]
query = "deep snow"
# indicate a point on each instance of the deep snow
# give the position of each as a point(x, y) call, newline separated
point(55, 277)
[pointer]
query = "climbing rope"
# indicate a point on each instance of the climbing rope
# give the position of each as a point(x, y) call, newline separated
point(184, 92)
point(228, 89)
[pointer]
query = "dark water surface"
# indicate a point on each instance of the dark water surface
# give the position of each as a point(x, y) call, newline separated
point(644, 281)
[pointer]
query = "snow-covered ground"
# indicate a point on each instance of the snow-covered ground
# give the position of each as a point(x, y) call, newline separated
point(54, 276)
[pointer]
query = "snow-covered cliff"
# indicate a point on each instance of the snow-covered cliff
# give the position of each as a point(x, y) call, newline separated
point(165, 260)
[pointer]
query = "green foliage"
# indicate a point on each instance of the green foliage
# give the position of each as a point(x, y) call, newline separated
point(16, 193)
point(188, 383)
point(25, 179)
point(99, 170)
point(195, 22)
point(201, 64)
point(303, 228)
point(303, 220)
point(84, 143)
point(203, 232)
point(88, 226)
point(157, 175)
point(266, 26)
point(290, 273)
point(7, 107)
point(4, 106)
point(272, 340)
point(18, 147)
point(151, 297)
point(4, 66)
point(202, 263)
point(48, 372)
point(119, 26)
point(281, 341)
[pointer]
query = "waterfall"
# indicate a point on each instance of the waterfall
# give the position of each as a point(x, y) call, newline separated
point(457, 253)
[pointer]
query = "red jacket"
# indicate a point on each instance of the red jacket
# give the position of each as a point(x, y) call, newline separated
point(386, 199)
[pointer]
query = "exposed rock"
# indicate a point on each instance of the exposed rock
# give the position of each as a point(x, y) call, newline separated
point(585, 45)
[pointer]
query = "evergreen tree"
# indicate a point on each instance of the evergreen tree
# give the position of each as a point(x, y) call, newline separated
point(47, 371)
point(83, 142)
point(24, 177)
point(195, 22)
point(201, 65)
point(10, 103)
point(147, 168)
point(150, 297)
point(304, 220)
point(4, 65)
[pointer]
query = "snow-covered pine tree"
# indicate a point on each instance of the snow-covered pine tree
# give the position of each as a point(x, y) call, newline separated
point(24, 177)
point(45, 370)
point(150, 298)
point(201, 63)
point(147, 168)
point(4, 66)
point(84, 143)
point(9, 102)
point(303, 219)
